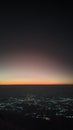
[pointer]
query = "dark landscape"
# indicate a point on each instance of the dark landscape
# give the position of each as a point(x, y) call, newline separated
point(36, 107)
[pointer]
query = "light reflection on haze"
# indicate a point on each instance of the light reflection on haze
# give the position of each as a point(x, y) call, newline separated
point(33, 68)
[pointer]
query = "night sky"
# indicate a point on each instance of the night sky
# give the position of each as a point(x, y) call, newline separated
point(36, 44)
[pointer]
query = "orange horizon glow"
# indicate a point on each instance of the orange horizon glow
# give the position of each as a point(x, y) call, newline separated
point(34, 70)
point(33, 82)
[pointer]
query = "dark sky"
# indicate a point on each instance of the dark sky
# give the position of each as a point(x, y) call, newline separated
point(37, 29)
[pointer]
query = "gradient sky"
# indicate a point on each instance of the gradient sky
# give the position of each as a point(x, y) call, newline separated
point(36, 44)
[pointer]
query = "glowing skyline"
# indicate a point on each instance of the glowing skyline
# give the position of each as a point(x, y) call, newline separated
point(36, 46)
point(33, 69)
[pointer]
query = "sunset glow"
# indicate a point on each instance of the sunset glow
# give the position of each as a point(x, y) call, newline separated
point(33, 82)
point(34, 69)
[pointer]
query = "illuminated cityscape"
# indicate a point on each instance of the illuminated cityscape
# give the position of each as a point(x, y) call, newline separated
point(39, 106)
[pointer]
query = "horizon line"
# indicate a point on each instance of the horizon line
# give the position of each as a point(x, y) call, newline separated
point(36, 84)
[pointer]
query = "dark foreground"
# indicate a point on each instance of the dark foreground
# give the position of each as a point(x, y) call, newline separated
point(36, 107)
point(16, 121)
